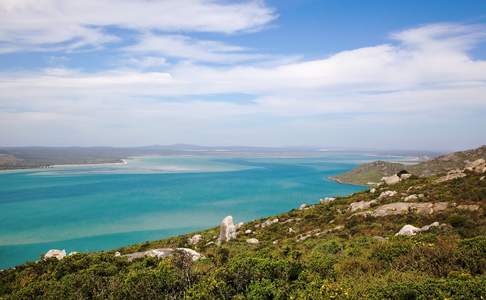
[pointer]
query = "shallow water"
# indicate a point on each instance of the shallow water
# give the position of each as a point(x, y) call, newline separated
point(86, 208)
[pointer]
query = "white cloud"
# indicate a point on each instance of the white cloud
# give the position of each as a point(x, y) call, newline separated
point(183, 47)
point(44, 25)
point(407, 82)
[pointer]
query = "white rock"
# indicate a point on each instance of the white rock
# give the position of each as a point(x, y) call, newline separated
point(361, 205)
point(482, 178)
point(373, 190)
point(192, 253)
point(239, 225)
point(389, 180)
point(248, 231)
point(72, 253)
point(410, 198)
point(252, 241)
point(227, 230)
point(412, 230)
point(269, 222)
point(117, 254)
point(291, 230)
point(195, 239)
point(427, 227)
point(302, 206)
point(56, 253)
point(387, 194)
point(275, 242)
point(408, 230)
point(327, 200)
point(405, 176)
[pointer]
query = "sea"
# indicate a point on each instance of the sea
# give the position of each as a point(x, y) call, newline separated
point(102, 207)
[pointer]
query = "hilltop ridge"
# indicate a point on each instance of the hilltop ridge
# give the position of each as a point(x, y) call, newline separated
point(372, 172)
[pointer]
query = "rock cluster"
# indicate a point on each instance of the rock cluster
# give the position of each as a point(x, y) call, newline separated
point(162, 253)
point(394, 179)
point(478, 166)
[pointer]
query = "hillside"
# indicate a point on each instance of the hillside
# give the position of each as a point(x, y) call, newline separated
point(374, 171)
point(344, 248)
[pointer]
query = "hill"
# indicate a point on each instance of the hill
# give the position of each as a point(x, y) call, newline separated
point(374, 171)
point(422, 238)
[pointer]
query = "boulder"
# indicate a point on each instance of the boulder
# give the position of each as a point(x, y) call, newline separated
point(408, 230)
point(451, 175)
point(412, 230)
point(248, 231)
point(302, 206)
point(399, 208)
point(427, 227)
point(117, 254)
point(405, 176)
point(227, 230)
point(252, 241)
point(387, 194)
point(361, 205)
point(373, 190)
point(269, 222)
point(410, 198)
point(477, 166)
point(194, 239)
point(56, 253)
point(390, 180)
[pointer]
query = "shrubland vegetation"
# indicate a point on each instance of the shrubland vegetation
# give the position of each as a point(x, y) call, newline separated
point(344, 256)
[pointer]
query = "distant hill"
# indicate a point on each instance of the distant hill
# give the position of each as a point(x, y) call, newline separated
point(372, 172)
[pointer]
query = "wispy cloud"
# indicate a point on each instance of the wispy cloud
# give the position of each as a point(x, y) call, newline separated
point(184, 47)
point(45, 25)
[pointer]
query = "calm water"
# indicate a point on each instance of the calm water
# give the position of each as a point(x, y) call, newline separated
point(85, 208)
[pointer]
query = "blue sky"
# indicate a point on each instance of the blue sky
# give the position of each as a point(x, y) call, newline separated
point(375, 74)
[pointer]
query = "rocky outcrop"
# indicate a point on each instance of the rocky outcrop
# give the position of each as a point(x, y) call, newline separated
point(355, 206)
point(478, 166)
point(412, 230)
point(55, 253)
point(399, 208)
point(227, 230)
point(451, 175)
point(162, 253)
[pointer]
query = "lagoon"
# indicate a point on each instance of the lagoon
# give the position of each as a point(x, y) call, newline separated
point(101, 207)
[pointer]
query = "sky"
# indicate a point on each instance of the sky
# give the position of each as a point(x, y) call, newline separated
point(329, 73)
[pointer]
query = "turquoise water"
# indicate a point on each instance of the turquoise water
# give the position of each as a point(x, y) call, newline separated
point(87, 208)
